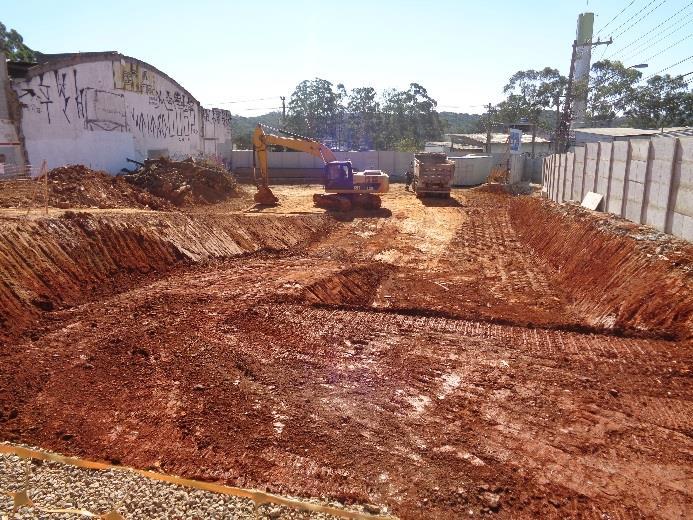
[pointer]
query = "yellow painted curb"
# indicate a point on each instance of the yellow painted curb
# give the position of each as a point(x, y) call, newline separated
point(258, 497)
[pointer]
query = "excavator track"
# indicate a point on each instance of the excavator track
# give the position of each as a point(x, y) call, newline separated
point(333, 202)
point(341, 202)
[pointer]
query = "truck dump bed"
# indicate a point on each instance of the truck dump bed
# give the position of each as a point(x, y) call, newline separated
point(433, 174)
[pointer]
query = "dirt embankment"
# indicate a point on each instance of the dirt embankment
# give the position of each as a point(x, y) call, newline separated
point(48, 263)
point(76, 186)
point(620, 275)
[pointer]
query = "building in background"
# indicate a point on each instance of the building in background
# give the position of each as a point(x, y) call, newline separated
point(595, 135)
point(102, 108)
point(499, 142)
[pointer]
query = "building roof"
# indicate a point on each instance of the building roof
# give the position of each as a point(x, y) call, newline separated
point(48, 62)
point(632, 132)
point(497, 138)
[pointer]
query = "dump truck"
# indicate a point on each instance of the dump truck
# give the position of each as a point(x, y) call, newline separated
point(433, 174)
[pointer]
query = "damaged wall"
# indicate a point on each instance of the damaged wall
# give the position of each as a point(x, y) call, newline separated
point(99, 109)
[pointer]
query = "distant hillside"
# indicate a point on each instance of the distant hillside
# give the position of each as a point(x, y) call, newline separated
point(242, 127)
point(454, 123)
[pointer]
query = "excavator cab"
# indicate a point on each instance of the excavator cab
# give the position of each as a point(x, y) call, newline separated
point(339, 175)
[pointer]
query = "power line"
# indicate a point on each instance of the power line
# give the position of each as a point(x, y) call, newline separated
point(636, 14)
point(646, 44)
point(619, 14)
point(670, 46)
point(639, 40)
point(259, 108)
point(641, 18)
point(245, 100)
point(669, 67)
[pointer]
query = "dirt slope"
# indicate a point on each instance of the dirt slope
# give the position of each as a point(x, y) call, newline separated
point(619, 275)
point(52, 262)
point(425, 357)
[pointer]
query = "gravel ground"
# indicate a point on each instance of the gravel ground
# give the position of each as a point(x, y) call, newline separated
point(54, 485)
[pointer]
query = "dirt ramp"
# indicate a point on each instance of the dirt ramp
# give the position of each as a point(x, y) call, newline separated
point(354, 287)
point(49, 263)
point(620, 275)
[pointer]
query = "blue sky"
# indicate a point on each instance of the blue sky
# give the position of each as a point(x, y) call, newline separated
point(462, 51)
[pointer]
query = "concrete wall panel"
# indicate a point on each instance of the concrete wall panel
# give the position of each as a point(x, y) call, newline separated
point(637, 173)
point(614, 202)
point(659, 182)
point(649, 180)
point(578, 174)
point(603, 168)
point(590, 178)
point(567, 185)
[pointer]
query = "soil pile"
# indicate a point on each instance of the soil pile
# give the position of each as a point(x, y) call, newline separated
point(77, 186)
point(185, 182)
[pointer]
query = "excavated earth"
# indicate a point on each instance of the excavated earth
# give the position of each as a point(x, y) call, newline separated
point(489, 355)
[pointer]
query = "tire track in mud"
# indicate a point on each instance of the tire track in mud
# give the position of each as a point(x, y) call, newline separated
point(276, 371)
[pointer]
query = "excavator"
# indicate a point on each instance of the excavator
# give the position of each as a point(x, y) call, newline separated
point(345, 189)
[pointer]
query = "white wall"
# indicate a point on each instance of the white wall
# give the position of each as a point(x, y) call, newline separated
point(394, 164)
point(471, 170)
point(648, 181)
point(101, 112)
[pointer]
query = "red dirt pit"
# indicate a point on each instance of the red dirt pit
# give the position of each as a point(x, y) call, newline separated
point(488, 355)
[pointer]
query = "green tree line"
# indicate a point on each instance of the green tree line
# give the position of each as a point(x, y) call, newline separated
point(616, 96)
point(363, 118)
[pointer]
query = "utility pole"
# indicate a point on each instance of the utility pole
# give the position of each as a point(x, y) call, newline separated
point(564, 127)
point(283, 98)
point(488, 129)
point(556, 145)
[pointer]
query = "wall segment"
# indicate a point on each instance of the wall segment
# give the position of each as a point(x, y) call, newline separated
point(99, 109)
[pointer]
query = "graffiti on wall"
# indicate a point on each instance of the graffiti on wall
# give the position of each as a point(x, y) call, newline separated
point(218, 116)
point(159, 113)
point(171, 115)
point(59, 95)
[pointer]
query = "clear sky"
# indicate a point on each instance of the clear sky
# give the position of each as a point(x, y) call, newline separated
point(463, 51)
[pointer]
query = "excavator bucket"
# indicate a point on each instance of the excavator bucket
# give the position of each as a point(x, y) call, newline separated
point(265, 196)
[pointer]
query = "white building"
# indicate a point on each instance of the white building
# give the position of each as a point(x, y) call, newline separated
point(499, 142)
point(101, 108)
point(595, 135)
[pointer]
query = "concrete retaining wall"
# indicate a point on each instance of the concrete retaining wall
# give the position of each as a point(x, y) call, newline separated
point(648, 181)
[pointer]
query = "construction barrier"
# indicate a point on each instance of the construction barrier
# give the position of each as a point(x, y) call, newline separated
point(647, 181)
point(22, 499)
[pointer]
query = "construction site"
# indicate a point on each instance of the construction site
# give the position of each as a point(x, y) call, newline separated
point(349, 309)
point(436, 358)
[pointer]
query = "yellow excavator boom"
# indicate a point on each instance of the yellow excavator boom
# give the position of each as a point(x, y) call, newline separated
point(345, 187)
point(261, 141)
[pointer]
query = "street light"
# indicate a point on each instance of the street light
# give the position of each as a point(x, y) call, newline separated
point(639, 66)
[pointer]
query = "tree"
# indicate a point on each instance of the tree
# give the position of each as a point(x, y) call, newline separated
point(530, 92)
point(314, 108)
point(611, 91)
point(662, 101)
point(409, 116)
point(12, 44)
point(363, 118)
